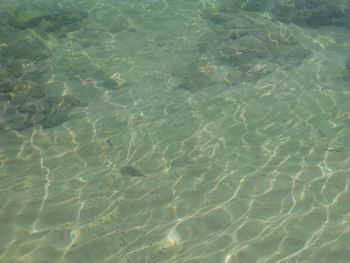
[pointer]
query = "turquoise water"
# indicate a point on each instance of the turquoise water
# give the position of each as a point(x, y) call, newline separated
point(171, 131)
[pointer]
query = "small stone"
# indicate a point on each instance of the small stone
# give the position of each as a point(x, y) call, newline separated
point(107, 218)
point(131, 171)
point(347, 64)
point(7, 85)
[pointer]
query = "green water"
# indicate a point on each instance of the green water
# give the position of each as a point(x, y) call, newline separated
point(176, 153)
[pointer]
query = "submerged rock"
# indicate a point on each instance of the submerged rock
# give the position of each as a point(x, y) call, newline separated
point(54, 118)
point(131, 171)
point(47, 112)
point(248, 5)
point(247, 46)
point(7, 85)
point(28, 49)
point(26, 68)
point(192, 79)
point(313, 12)
point(48, 17)
point(347, 64)
point(346, 72)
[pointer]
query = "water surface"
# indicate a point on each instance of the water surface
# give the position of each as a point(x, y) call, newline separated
point(171, 131)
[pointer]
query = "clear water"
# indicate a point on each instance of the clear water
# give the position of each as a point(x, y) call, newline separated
point(231, 170)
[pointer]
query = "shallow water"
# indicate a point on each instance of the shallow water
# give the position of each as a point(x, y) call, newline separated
point(224, 164)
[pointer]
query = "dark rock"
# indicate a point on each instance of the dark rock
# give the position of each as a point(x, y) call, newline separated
point(247, 47)
point(347, 64)
point(24, 111)
point(49, 17)
point(18, 49)
point(38, 106)
point(108, 83)
point(23, 49)
point(192, 80)
point(14, 68)
point(8, 19)
point(313, 12)
point(7, 85)
point(118, 25)
point(346, 72)
point(15, 121)
point(91, 72)
point(5, 97)
point(248, 5)
point(131, 171)
point(67, 102)
point(25, 99)
point(54, 119)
